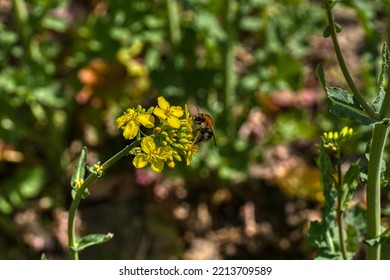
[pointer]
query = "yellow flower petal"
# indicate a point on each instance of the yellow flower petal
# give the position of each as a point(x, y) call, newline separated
point(140, 161)
point(157, 166)
point(130, 130)
point(176, 111)
point(159, 113)
point(174, 122)
point(148, 145)
point(120, 121)
point(164, 153)
point(146, 120)
point(126, 117)
point(162, 103)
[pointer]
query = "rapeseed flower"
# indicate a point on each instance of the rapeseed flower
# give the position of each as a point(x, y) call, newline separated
point(335, 141)
point(151, 154)
point(170, 141)
point(132, 119)
point(168, 113)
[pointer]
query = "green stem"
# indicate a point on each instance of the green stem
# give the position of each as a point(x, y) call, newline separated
point(173, 23)
point(373, 189)
point(343, 66)
point(379, 138)
point(339, 211)
point(72, 244)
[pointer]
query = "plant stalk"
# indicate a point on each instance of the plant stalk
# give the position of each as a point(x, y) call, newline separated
point(343, 66)
point(72, 244)
point(339, 211)
point(379, 137)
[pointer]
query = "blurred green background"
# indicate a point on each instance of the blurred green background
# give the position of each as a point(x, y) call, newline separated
point(69, 68)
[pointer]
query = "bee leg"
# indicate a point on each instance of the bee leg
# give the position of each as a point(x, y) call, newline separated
point(197, 136)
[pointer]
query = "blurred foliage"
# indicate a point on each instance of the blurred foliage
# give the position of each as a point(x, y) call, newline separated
point(68, 69)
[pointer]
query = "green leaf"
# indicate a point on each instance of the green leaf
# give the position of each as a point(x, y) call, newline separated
point(377, 240)
point(356, 222)
point(92, 239)
point(85, 194)
point(363, 175)
point(326, 169)
point(381, 94)
point(344, 106)
point(79, 171)
point(372, 242)
point(322, 234)
point(327, 255)
point(327, 181)
point(350, 183)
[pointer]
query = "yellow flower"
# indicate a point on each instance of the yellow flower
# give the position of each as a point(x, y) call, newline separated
point(98, 169)
point(132, 119)
point(78, 183)
point(169, 113)
point(346, 132)
point(151, 154)
point(336, 141)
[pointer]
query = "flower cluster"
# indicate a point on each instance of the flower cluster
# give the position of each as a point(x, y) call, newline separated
point(170, 140)
point(77, 183)
point(96, 169)
point(335, 141)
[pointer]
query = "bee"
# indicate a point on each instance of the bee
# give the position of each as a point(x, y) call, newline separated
point(205, 131)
